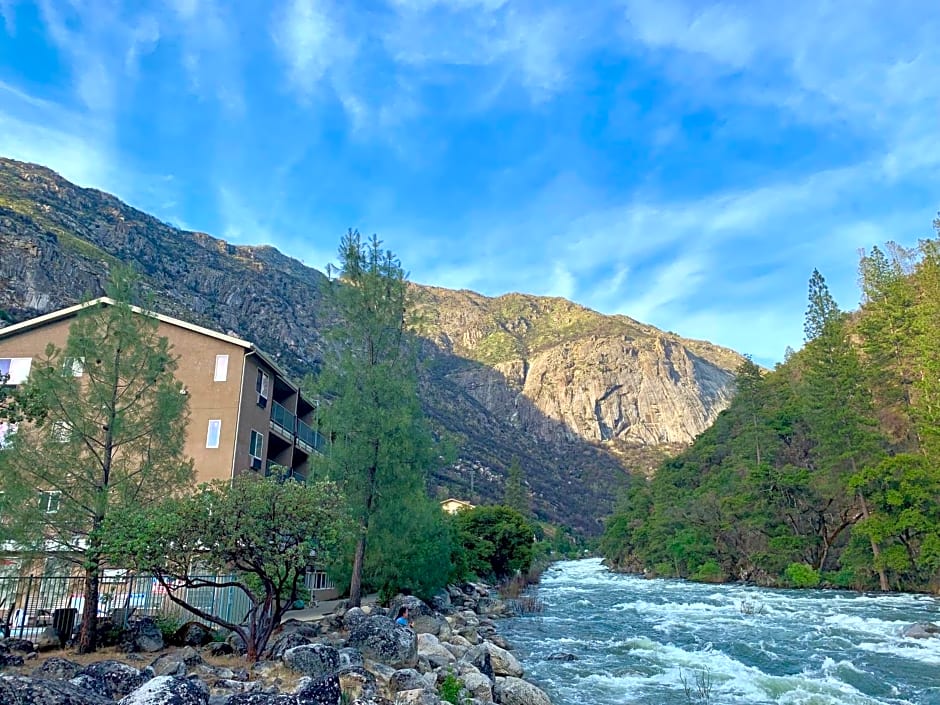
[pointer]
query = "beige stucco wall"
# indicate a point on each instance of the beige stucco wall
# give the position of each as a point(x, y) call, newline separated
point(196, 369)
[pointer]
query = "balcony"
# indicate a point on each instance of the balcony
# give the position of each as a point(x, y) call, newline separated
point(282, 421)
point(308, 440)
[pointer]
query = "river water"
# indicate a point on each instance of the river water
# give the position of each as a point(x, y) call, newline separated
point(635, 641)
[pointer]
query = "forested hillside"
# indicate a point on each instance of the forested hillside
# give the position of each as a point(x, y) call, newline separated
point(825, 470)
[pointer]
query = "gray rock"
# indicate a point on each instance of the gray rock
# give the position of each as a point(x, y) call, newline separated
point(479, 657)
point(358, 682)
point(921, 630)
point(319, 691)
point(561, 656)
point(143, 635)
point(350, 658)
point(499, 641)
point(193, 634)
point(504, 663)
point(515, 691)
point(261, 699)
point(380, 639)
point(23, 690)
point(12, 660)
point(48, 639)
point(98, 686)
point(315, 660)
point(284, 642)
point(353, 617)
point(442, 602)
point(14, 645)
point(56, 667)
point(219, 648)
point(430, 648)
point(169, 690)
point(405, 679)
point(177, 663)
point(121, 678)
point(418, 696)
point(478, 685)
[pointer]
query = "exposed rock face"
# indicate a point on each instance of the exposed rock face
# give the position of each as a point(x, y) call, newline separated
point(381, 639)
point(578, 397)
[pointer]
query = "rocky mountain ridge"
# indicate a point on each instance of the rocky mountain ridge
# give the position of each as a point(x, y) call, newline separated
point(578, 397)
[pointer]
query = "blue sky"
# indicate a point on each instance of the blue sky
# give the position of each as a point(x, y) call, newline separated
point(685, 163)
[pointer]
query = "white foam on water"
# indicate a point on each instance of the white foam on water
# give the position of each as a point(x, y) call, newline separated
point(926, 651)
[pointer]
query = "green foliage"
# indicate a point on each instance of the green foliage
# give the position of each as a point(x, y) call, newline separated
point(497, 541)
point(516, 495)
point(255, 534)
point(801, 575)
point(383, 449)
point(451, 689)
point(96, 444)
point(168, 626)
point(828, 462)
point(709, 572)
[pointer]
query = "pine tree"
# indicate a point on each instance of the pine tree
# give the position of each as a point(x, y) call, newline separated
point(840, 411)
point(103, 427)
point(516, 495)
point(383, 448)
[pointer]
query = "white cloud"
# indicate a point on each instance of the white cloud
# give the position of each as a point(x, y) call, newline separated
point(310, 41)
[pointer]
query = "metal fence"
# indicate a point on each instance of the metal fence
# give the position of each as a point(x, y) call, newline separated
point(29, 604)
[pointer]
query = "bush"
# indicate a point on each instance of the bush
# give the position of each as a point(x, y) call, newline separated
point(450, 689)
point(497, 542)
point(709, 572)
point(801, 575)
point(168, 626)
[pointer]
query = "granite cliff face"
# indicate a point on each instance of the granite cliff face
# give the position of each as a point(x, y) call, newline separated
point(579, 398)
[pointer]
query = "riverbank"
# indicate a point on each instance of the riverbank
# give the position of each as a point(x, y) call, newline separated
point(324, 655)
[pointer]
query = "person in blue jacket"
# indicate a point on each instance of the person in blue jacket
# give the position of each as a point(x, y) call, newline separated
point(402, 616)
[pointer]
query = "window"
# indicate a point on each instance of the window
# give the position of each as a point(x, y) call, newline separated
point(61, 431)
point(49, 501)
point(256, 449)
point(6, 433)
point(221, 368)
point(15, 369)
point(262, 386)
point(215, 430)
point(75, 366)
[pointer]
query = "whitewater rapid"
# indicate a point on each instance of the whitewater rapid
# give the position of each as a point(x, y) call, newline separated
point(664, 642)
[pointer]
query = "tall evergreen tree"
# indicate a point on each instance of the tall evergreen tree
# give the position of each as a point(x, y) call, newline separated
point(516, 495)
point(103, 427)
point(840, 411)
point(383, 448)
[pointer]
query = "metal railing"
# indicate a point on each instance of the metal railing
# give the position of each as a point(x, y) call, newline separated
point(309, 439)
point(29, 604)
point(282, 419)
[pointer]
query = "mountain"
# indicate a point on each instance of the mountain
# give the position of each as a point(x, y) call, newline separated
point(578, 397)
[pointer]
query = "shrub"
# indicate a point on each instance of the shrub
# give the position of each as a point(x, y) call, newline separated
point(709, 572)
point(168, 626)
point(801, 575)
point(450, 689)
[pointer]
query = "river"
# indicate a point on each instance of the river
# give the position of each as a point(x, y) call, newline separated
point(635, 641)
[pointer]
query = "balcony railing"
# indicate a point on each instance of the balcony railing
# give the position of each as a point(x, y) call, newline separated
point(309, 439)
point(283, 420)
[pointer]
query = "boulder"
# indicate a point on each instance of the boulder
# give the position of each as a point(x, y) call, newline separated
point(405, 679)
point(11, 660)
point(418, 696)
point(561, 656)
point(219, 648)
point(176, 663)
point(286, 641)
point(319, 691)
point(478, 685)
point(430, 648)
point(193, 634)
point(142, 635)
point(358, 683)
point(380, 639)
point(21, 647)
point(47, 640)
point(479, 657)
point(23, 690)
point(92, 684)
point(350, 658)
point(314, 660)
point(353, 617)
point(499, 641)
point(515, 691)
point(504, 663)
point(442, 602)
point(169, 690)
point(261, 699)
point(120, 678)
point(56, 667)
point(921, 630)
